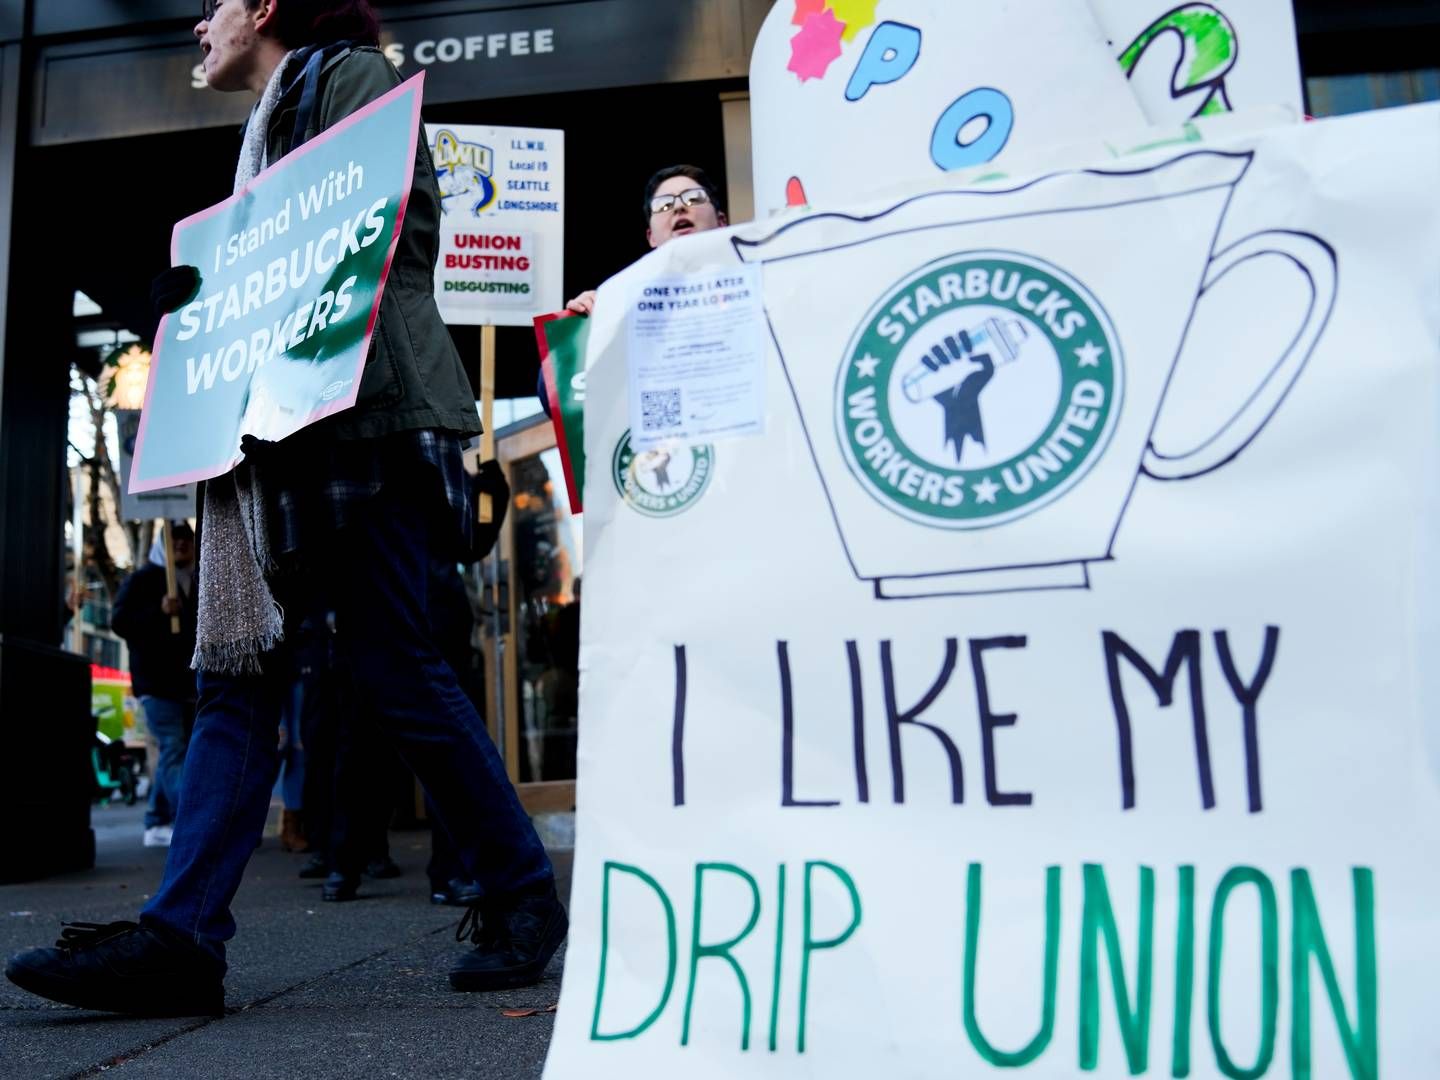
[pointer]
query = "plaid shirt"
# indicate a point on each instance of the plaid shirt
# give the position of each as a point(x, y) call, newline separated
point(326, 492)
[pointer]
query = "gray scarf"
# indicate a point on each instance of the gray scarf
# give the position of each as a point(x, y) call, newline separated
point(238, 618)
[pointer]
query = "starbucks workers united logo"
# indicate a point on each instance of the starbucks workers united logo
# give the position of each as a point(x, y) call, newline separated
point(979, 389)
point(663, 482)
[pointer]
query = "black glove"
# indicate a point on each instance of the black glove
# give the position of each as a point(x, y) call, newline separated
point(173, 289)
point(256, 449)
point(490, 480)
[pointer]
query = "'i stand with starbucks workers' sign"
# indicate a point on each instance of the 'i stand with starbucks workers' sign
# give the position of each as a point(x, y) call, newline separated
point(292, 270)
point(1045, 689)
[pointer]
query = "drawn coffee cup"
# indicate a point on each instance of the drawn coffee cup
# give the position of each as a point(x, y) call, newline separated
point(983, 426)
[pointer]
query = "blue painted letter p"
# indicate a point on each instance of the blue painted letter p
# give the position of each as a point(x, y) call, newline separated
point(889, 55)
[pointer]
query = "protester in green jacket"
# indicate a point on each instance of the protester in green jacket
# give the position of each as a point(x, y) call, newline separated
point(342, 517)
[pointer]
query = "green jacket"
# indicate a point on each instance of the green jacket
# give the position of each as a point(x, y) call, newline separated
point(414, 377)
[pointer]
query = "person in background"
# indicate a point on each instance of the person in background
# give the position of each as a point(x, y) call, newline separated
point(292, 775)
point(160, 671)
point(679, 200)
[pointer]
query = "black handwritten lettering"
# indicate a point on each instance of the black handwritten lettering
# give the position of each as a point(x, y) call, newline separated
point(989, 721)
point(787, 743)
point(1184, 651)
point(895, 717)
point(677, 737)
point(1248, 696)
point(857, 712)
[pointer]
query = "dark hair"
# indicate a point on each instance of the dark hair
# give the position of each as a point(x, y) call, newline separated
point(694, 172)
point(181, 530)
point(321, 22)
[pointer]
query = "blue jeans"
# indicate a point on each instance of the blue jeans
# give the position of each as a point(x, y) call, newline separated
point(166, 720)
point(292, 758)
point(374, 578)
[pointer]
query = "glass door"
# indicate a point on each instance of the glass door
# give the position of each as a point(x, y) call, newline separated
point(532, 631)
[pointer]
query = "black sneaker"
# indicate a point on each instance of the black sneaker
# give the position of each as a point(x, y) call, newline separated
point(123, 967)
point(379, 869)
point(457, 892)
point(340, 887)
point(513, 943)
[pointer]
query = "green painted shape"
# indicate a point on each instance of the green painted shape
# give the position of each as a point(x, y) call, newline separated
point(1209, 48)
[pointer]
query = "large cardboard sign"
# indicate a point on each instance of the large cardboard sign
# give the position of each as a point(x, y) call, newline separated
point(502, 240)
point(292, 269)
point(1198, 59)
point(849, 97)
point(1048, 690)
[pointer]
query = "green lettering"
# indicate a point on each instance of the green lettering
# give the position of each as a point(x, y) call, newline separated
point(1362, 1052)
point(1184, 973)
point(812, 945)
point(1099, 919)
point(595, 1033)
point(722, 950)
point(779, 941)
point(1269, 969)
point(1036, 1046)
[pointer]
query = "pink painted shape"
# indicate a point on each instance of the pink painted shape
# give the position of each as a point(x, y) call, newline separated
point(816, 46)
point(804, 9)
point(415, 83)
point(795, 193)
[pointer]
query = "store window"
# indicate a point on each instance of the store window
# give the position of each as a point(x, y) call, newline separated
point(1335, 95)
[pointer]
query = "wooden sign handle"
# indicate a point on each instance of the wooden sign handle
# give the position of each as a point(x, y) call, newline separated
point(487, 410)
point(170, 590)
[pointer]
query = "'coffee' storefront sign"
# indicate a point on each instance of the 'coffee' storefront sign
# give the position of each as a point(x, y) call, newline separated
point(145, 85)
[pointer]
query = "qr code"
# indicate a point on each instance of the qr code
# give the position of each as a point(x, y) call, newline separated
point(659, 409)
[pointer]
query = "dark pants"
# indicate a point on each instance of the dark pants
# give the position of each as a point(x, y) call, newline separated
point(375, 581)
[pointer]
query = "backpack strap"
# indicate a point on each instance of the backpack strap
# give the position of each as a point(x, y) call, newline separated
point(316, 57)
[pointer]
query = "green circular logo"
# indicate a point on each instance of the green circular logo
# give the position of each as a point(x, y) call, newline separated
point(663, 482)
point(979, 389)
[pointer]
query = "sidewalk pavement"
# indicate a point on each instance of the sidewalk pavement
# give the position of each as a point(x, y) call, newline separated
point(314, 989)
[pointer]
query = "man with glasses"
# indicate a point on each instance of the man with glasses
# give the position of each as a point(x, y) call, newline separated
point(679, 200)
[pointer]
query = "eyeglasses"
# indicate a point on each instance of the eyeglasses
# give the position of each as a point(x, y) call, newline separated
point(663, 204)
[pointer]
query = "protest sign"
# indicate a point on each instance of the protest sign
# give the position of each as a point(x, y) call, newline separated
point(502, 239)
point(292, 270)
point(1142, 776)
point(1200, 59)
point(173, 504)
point(849, 97)
point(562, 339)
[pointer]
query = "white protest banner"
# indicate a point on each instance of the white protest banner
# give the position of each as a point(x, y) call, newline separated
point(1142, 777)
point(849, 97)
point(502, 239)
point(1198, 59)
point(173, 504)
point(292, 272)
